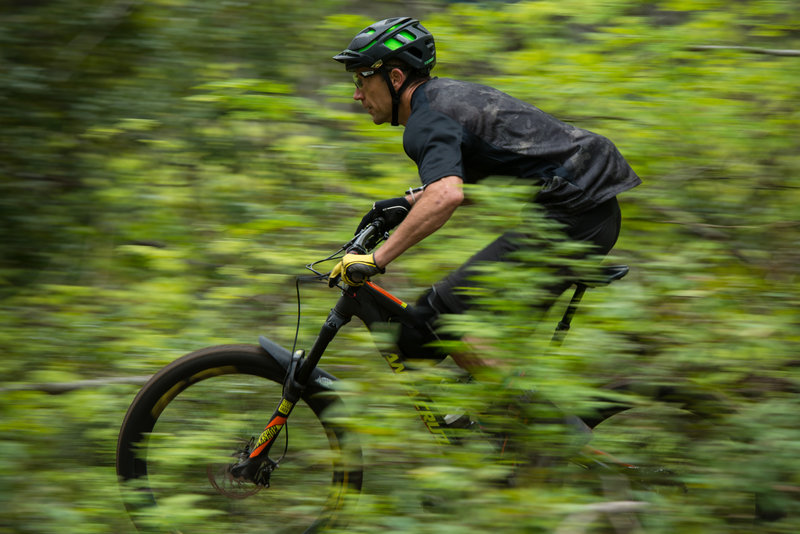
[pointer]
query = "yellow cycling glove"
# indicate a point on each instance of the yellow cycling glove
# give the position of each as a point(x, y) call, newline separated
point(355, 269)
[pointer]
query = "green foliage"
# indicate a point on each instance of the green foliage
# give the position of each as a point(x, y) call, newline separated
point(168, 167)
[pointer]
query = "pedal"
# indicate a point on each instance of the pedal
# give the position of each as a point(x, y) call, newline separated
point(457, 420)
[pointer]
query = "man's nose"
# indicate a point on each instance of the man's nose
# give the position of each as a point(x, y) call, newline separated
point(358, 94)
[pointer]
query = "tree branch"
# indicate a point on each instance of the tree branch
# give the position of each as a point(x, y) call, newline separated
point(81, 46)
point(751, 49)
point(57, 388)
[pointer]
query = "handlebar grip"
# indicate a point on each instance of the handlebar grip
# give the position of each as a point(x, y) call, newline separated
point(380, 225)
point(368, 237)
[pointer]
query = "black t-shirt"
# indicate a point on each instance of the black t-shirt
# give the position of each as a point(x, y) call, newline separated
point(473, 131)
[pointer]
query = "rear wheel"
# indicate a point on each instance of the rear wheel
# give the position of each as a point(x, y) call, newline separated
point(196, 417)
point(660, 458)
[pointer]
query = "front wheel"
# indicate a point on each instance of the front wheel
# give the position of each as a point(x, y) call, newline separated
point(196, 417)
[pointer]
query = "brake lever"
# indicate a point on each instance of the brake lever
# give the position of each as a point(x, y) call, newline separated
point(357, 245)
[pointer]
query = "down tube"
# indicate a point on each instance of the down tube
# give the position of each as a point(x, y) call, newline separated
point(379, 309)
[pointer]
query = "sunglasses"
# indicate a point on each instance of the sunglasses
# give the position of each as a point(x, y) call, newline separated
point(358, 77)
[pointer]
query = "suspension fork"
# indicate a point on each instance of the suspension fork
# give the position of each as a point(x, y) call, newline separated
point(258, 466)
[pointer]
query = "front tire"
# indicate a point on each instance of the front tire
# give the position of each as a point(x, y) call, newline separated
point(193, 417)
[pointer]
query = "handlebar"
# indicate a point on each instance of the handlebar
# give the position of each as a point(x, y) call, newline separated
point(367, 238)
point(363, 242)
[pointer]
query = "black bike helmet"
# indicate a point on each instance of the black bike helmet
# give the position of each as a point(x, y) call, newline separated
point(401, 38)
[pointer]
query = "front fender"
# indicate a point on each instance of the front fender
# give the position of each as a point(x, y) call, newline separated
point(320, 380)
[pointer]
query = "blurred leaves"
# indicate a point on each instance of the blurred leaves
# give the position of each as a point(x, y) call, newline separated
point(167, 168)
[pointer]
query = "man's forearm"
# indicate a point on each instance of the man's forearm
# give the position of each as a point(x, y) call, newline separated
point(429, 213)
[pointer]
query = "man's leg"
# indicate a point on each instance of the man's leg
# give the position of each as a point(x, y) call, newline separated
point(599, 227)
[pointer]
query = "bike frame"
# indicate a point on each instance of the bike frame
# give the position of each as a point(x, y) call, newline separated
point(377, 308)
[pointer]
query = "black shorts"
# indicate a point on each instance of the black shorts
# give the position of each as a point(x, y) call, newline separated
point(599, 226)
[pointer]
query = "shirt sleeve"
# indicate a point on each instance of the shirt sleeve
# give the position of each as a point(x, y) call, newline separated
point(433, 141)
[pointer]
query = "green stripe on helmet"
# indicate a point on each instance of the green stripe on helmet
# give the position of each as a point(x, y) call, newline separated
point(392, 44)
point(369, 46)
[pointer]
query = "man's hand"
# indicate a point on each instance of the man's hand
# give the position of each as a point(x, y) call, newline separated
point(354, 269)
point(393, 211)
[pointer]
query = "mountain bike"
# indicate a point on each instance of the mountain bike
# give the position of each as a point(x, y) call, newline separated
point(193, 432)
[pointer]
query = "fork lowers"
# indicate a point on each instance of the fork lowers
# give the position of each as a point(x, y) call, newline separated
point(256, 470)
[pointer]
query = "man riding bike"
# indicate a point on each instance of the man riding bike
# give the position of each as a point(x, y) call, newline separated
point(461, 132)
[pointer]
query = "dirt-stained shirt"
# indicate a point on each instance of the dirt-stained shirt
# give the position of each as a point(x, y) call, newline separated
point(474, 131)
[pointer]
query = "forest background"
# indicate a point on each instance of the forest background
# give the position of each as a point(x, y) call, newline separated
point(167, 168)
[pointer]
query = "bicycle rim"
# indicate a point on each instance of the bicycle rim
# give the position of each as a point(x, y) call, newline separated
point(190, 421)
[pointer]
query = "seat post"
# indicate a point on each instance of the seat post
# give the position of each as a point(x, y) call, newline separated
point(606, 276)
point(565, 322)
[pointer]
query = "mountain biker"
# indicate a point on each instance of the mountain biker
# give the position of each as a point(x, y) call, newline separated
point(460, 132)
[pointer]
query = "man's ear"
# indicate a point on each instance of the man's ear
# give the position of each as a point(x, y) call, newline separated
point(398, 77)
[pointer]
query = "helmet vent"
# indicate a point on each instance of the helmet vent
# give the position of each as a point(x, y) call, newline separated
point(407, 35)
point(393, 44)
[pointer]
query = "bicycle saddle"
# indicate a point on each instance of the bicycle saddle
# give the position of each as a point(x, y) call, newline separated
point(606, 275)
